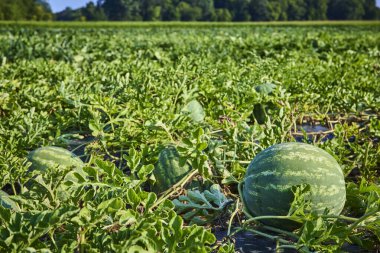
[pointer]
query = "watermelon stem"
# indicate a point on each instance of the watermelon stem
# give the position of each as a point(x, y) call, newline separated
point(232, 217)
point(280, 231)
point(174, 189)
point(342, 217)
point(364, 217)
point(233, 161)
point(264, 217)
point(275, 238)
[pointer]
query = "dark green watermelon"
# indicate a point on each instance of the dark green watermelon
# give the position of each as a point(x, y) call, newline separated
point(169, 170)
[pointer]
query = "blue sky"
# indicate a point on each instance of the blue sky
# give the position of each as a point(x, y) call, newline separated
point(59, 5)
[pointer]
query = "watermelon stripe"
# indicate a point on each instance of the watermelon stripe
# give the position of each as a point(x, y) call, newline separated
point(317, 174)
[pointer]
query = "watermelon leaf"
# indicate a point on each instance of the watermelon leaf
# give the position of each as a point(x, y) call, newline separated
point(195, 111)
point(202, 208)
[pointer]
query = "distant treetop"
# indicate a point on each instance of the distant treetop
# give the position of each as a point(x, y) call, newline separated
point(195, 10)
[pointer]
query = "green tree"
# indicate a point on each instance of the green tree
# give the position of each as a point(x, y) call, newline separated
point(169, 11)
point(115, 9)
point(370, 10)
point(150, 10)
point(346, 10)
point(133, 10)
point(296, 9)
point(241, 10)
point(207, 9)
point(25, 10)
point(68, 14)
point(316, 9)
point(188, 12)
point(223, 15)
point(274, 10)
point(259, 10)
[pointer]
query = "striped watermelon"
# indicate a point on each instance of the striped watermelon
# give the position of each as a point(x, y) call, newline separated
point(266, 188)
point(169, 170)
point(53, 157)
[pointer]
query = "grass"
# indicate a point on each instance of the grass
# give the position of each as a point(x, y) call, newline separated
point(177, 24)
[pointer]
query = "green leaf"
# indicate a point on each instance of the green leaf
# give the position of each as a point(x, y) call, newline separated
point(202, 208)
point(111, 205)
point(195, 111)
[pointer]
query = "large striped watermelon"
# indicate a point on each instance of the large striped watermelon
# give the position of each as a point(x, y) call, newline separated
point(266, 189)
point(169, 170)
point(53, 157)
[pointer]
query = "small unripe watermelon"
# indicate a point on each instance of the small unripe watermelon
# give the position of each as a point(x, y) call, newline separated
point(267, 186)
point(169, 170)
point(53, 157)
point(260, 110)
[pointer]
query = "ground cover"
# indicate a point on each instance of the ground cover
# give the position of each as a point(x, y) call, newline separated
point(117, 96)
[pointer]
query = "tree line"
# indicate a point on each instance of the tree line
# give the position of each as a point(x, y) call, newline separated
point(195, 10)
point(25, 10)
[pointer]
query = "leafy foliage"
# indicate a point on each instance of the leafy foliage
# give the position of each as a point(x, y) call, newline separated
point(115, 98)
point(202, 208)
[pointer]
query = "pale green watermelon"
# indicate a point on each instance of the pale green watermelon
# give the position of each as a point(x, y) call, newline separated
point(53, 157)
point(267, 185)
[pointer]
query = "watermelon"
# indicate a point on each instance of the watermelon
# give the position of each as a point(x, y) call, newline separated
point(270, 177)
point(53, 157)
point(169, 170)
point(260, 110)
point(6, 202)
point(56, 158)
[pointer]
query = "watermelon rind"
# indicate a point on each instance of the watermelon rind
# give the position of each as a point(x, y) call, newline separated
point(267, 185)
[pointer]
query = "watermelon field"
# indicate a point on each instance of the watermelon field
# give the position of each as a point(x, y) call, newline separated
point(190, 137)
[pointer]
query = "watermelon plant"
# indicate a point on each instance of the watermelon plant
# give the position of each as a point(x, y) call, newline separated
point(120, 96)
point(260, 110)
